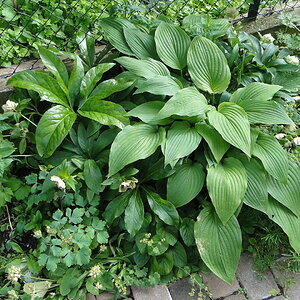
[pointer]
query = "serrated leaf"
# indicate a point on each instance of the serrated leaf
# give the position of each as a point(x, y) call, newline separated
point(172, 45)
point(187, 102)
point(181, 141)
point(232, 123)
point(273, 156)
point(52, 128)
point(226, 185)
point(82, 257)
point(92, 175)
point(219, 245)
point(134, 143)
point(208, 66)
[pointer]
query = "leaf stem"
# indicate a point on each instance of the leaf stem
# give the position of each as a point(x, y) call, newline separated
point(28, 120)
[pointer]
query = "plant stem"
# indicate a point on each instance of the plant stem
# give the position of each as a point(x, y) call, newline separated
point(9, 221)
point(28, 120)
point(28, 155)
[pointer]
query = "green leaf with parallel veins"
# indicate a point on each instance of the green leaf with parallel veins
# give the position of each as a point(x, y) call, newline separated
point(187, 102)
point(141, 44)
point(208, 66)
point(92, 175)
point(104, 112)
point(185, 184)
point(147, 68)
point(134, 213)
point(52, 128)
point(255, 91)
point(134, 143)
point(164, 209)
point(41, 82)
point(181, 141)
point(232, 123)
point(216, 143)
point(288, 193)
point(159, 85)
point(273, 156)
point(172, 45)
point(76, 78)
point(219, 245)
point(226, 184)
point(187, 231)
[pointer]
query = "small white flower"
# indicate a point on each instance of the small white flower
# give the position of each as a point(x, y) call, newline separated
point(280, 136)
point(268, 38)
point(59, 182)
point(291, 127)
point(9, 106)
point(37, 234)
point(14, 273)
point(12, 295)
point(98, 286)
point(95, 271)
point(291, 59)
point(296, 141)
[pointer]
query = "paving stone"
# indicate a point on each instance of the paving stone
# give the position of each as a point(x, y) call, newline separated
point(105, 296)
point(236, 297)
point(158, 292)
point(283, 298)
point(90, 297)
point(217, 287)
point(257, 288)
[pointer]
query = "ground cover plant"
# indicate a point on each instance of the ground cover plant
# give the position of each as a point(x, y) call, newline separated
point(142, 167)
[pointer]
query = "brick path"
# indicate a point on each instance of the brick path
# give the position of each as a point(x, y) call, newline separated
point(276, 285)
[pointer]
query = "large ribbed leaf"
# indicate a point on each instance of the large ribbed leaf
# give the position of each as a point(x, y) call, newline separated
point(172, 45)
point(134, 143)
point(273, 156)
point(289, 223)
point(159, 85)
point(216, 143)
point(52, 128)
point(287, 194)
point(181, 141)
point(219, 244)
point(145, 68)
point(113, 29)
point(187, 102)
point(226, 185)
point(232, 123)
point(185, 184)
point(265, 112)
point(255, 91)
point(140, 43)
point(208, 66)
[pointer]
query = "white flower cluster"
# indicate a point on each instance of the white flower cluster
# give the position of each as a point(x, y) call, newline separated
point(292, 59)
point(268, 38)
point(12, 295)
point(59, 182)
point(296, 141)
point(98, 286)
point(37, 234)
point(9, 106)
point(95, 271)
point(14, 273)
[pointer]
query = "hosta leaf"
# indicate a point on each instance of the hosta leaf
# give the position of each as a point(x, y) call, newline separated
point(141, 44)
point(187, 102)
point(255, 91)
point(159, 85)
point(288, 193)
point(104, 112)
point(145, 68)
point(216, 143)
point(134, 143)
point(164, 209)
point(232, 123)
point(273, 156)
point(113, 29)
point(289, 223)
point(185, 184)
point(41, 82)
point(265, 112)
point(52, 128)
point(208, 66)
point(226, 184)
point(181, 141)
point(172, 44)
point(290, 81)
point(219, 244)
point(134, 213)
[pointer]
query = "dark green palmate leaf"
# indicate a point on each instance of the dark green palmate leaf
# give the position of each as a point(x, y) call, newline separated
point(147, 68)
point(52, 128)
point(172, 45)
point(181, 141)
point(232, 123)
point(187, 102)
point(273, 157)
point(219, 244)
point(134, 143)
point(92, 175)
point(104, 112)
point(185, 184)
point(216, 143)
point(41, 82)
point(134, 213)
point(207, 66)
point(226, 184)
